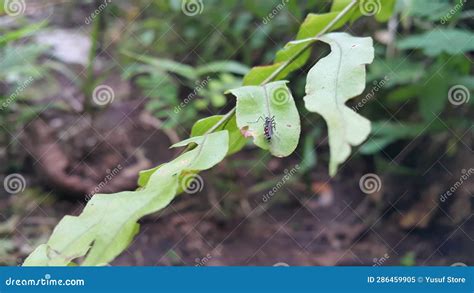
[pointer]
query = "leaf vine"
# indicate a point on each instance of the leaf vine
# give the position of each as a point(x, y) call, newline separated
point(108, 223)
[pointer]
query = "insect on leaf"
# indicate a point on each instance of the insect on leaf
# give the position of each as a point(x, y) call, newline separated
point(268, 114)
point(333, 81)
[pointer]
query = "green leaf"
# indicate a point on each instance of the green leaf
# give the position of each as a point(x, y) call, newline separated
point(430, 9)
point(236, 140)
point(109, 221)
point(22, 32)
point(333, 81)
point(310, 28)
point(386, 10)
point(381, 9)
point(396, 71)
point(166, 65)
point(255, 104)
point(222, 66)
point(385, 133)
point(435, 42)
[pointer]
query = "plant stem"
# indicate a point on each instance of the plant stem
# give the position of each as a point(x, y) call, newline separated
point(88, 83)
point(289, 61)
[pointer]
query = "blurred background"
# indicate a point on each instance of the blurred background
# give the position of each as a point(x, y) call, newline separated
point(92, 92)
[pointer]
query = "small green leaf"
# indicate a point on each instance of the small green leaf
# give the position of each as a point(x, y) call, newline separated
point(222, 66)
point(333, 81)
point(274, 101)
point(430, 9)
point(380, 9)
point(435, 42)
point(236, 140)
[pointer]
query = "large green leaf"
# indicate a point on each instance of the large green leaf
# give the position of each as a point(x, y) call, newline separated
point(296, 52)
point(334, 80)
point(255, 104)
point(109, 221)
point(435, 42)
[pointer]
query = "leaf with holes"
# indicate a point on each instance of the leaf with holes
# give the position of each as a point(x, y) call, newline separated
point(333, 81)
point(109, 221)
point(268, 114)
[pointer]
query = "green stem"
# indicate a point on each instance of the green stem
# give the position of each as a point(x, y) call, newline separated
point(88, 84)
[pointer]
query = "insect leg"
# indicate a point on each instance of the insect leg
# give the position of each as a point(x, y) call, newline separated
point(259, 118)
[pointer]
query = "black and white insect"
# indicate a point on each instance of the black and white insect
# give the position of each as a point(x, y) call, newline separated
point(269, 126)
